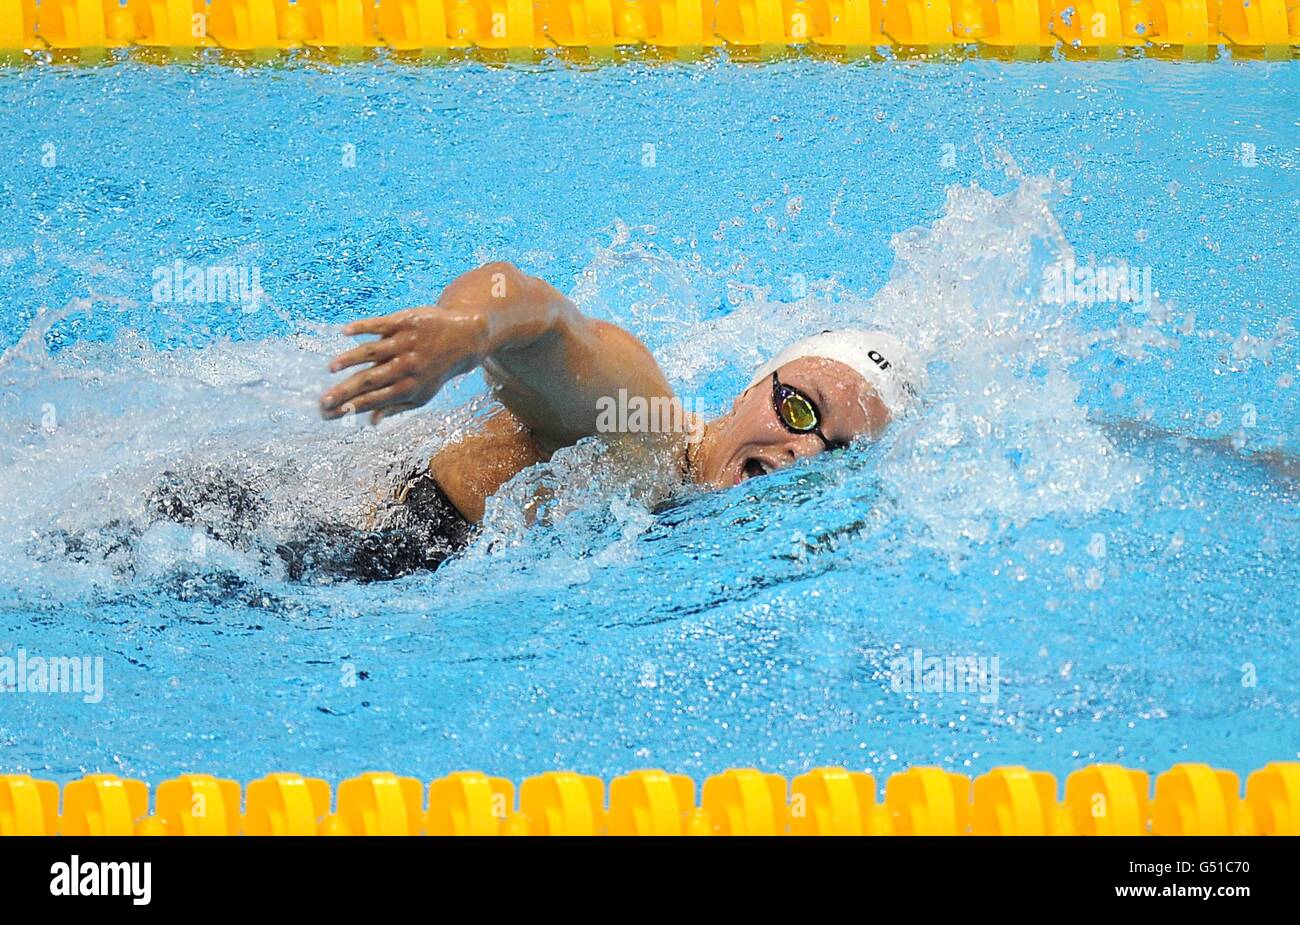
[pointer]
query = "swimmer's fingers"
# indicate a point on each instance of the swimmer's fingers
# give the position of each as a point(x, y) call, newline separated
point(376, 351)
point(383, 401)
point(360, 386)
point(380, 324)
point(381, 413)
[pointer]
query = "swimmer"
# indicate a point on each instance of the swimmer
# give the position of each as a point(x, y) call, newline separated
point(550, 367)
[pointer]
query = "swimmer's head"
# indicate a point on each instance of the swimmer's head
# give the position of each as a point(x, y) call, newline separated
point(822, 392)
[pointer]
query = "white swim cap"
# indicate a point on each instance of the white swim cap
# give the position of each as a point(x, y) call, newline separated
point(893, 370)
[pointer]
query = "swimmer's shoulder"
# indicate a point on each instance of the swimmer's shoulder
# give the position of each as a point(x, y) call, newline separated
point(470, 470)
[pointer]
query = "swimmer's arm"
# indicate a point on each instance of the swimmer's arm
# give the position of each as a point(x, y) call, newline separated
point(550, 364)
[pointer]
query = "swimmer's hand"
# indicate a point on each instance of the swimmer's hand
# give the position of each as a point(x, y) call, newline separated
point(549, 364)
point(418, 351)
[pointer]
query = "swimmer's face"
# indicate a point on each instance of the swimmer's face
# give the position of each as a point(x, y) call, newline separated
point(751, 440)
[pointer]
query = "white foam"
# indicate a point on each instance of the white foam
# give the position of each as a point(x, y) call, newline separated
point(1002, 438)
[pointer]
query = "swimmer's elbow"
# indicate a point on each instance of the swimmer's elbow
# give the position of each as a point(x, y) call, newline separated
point(507, 286)
point(499, 282)
point(518, 311)
point(502, 270)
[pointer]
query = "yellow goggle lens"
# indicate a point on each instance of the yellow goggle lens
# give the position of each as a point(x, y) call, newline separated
point(798, 413)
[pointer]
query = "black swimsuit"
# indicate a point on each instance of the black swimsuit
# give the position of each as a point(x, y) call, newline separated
point(420, 533)
point(428, 530)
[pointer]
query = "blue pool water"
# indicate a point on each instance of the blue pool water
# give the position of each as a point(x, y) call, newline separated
point(1105, 498)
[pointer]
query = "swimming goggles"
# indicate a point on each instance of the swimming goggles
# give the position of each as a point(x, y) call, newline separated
point(797, 413)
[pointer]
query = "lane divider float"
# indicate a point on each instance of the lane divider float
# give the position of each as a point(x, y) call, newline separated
point(766, 27)
point(1102, 799)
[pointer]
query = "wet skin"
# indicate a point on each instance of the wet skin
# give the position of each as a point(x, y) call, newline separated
point(549, 366)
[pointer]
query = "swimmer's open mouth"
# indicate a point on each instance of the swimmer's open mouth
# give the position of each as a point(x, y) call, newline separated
point(755, 467)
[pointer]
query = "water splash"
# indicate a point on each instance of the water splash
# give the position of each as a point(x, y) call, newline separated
point(90, 432)
point(1003, 438)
